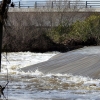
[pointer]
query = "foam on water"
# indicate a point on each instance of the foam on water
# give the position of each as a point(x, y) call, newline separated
point(51, 86)
point(36, 85)
point(89, 50)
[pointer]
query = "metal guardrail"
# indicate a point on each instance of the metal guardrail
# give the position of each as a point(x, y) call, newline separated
point(57, 4)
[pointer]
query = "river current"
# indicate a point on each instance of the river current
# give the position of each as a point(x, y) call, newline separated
point(39, 86)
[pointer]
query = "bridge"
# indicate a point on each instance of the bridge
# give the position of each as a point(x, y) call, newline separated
point(58, 4)
point(50, 13)
point(35, 6)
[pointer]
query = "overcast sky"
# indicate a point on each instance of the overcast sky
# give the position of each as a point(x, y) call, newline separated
point(47, 0)
point(52, 0)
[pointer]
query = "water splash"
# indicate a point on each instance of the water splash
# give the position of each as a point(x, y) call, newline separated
point(36, 85)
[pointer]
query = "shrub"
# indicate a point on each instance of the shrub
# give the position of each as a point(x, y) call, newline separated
point(58, 33)
point(89, 28)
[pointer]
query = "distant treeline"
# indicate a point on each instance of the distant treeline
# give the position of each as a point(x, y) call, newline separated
point(41, 32)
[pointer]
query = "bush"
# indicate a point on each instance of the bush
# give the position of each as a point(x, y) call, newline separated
point(84, 30)
point(38, 38)
point(58, 34)
point(80, 32)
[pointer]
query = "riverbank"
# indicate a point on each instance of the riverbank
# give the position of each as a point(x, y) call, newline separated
point(63, 37)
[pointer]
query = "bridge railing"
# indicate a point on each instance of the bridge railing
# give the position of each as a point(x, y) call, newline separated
point(57, 4)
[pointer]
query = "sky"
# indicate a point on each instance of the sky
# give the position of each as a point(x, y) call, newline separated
point(47, 0)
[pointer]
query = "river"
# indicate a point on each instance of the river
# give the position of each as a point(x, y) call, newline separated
point(39, 86)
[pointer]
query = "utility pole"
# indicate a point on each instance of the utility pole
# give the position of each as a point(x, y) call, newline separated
point(3, 16)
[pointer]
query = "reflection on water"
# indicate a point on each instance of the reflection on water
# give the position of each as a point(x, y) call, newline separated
point(39, 86)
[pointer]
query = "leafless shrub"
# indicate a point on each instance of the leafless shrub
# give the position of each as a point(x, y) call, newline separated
point(26, 31)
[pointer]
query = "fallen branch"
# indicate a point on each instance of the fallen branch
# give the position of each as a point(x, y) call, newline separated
point(2, 89)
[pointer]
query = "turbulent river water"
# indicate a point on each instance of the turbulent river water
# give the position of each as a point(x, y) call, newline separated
point(39, 86)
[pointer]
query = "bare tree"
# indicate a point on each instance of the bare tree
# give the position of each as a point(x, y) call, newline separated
point(3, 17)
point(23, 28)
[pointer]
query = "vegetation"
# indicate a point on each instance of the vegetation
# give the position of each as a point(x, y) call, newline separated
point(62, 36)
point(84, 32)
point(58, 34)
point(87, 29)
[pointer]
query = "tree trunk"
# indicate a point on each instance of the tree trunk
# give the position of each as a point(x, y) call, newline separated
point(1, 32)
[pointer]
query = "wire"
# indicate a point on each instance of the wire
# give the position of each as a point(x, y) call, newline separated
point(7, 75)
point(7, 83)
point(6, 59)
